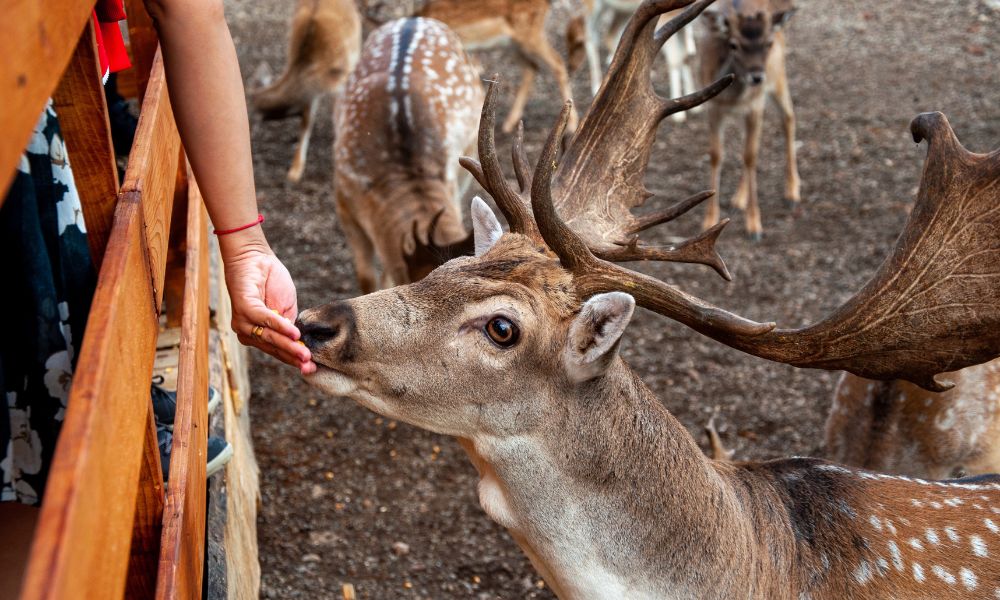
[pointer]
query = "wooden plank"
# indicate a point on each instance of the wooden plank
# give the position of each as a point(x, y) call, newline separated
point(81, 548)
point(183, 542)
point(36, 42)
point(83, 116)
point(145, 550)
point(152, 171)
point(143, 41)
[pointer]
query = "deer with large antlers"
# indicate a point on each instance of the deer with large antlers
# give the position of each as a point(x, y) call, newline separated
point(604, 490)
point(746, 38)
point(409, 110)
point(323, 48)
point(898, 427)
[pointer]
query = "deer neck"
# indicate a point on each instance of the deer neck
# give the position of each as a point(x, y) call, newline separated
point(612, 498)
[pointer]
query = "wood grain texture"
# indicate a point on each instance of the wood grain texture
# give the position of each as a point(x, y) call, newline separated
point(82, 544)
point(183, 541)
point(83, 116)
point(143, 41)
point(145, 552)
point(152, 171)
point(36, 42)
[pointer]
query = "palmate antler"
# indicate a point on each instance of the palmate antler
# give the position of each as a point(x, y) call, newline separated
point(600, 179)
point(932, 307)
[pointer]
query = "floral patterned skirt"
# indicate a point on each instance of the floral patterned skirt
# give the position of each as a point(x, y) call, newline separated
point(47, 281)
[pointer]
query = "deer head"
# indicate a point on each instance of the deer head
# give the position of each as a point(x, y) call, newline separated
point(746, 29)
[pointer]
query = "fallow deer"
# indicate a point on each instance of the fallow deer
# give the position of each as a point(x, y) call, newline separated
point(487, 23)
point(604, 28)
point(897, 427)
point(409, 110)
point(323, 48)
point(514, 352)
point(746, 38)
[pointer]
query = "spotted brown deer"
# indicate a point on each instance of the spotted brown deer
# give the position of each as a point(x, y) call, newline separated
point(409, 110)
point(514, 352)
point(521, 23)
point(898, 427)
point(323, 48)
point(746, 38)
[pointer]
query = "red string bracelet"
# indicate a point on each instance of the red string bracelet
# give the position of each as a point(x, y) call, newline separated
point(260, 219)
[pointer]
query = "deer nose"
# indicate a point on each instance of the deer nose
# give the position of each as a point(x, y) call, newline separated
point(756, 78)
point(327, 328)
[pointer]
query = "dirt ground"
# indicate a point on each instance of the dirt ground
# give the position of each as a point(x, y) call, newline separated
point(341, 485)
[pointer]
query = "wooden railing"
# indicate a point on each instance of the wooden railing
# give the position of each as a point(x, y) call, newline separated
point(107, 527)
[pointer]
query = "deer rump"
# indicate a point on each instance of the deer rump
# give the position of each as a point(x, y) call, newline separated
point(931, 307)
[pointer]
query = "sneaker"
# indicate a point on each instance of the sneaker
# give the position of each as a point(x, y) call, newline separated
point(165, 403)
point(219, 452)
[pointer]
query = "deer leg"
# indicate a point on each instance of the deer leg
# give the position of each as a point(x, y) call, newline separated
point(673, 52)
point(687, 74)
point(543, 52)
point(754, 122)
point(715, 150)
point(361, 248)
point(593, 52)
point(783, 96)
point(305, 132)
point(521, 98)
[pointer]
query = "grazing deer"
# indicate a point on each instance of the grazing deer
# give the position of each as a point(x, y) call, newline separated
point(322, 51)
point(898, 427)
point(408, 111)
point(604, 28)
point(515, 352)
point(746, 38)
point(487, 23)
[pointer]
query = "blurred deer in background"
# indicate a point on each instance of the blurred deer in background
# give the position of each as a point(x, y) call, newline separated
point(323, 48)
point(746, 38)
point(409, 110)
point(898, 427)
point(604, 28)
point(488, 23)
point(515, 353)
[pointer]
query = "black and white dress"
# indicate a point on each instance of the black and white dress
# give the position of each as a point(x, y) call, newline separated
point(47, 282)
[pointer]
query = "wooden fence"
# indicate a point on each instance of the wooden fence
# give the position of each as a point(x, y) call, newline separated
point(107, 527)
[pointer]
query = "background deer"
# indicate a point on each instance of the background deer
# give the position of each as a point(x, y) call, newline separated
point(409, 110)
point(746, 38)
point(604, 28)
point(323, 48)
point(487, 23)
point(604, 490)
point(898, 427)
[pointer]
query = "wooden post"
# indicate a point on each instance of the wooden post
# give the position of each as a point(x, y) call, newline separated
point(83, 116)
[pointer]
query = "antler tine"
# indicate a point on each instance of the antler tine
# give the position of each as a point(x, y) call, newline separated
point(676, 105)
point(489, 173)
point(699, 250)
point(591, 275)
point(670, 213)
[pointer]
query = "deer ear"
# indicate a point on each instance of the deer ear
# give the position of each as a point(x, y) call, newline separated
point(715, 21)
point(595, 333)
point(485, 226)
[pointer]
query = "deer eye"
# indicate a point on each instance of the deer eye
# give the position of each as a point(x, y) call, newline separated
point(733, 45)
point(502, 332)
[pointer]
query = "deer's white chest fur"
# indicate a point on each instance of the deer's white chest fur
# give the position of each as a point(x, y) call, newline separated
point(534, 503)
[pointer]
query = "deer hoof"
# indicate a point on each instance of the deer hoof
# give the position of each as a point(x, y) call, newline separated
point(796, 207)
point(755, 236)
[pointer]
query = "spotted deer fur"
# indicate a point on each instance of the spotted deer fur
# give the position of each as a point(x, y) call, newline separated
point(746, 38)
point(604, 490)
point(898, 427)
point(409, 110)
point(323, 48)
point(520, 23)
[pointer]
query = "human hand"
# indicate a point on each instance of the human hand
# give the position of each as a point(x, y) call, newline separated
point(262, 294)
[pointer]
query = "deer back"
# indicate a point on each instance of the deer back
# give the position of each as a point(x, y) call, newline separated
point(409, 110)
point(898, 427)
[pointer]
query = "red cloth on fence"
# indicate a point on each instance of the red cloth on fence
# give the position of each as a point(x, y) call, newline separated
point(110, 43)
